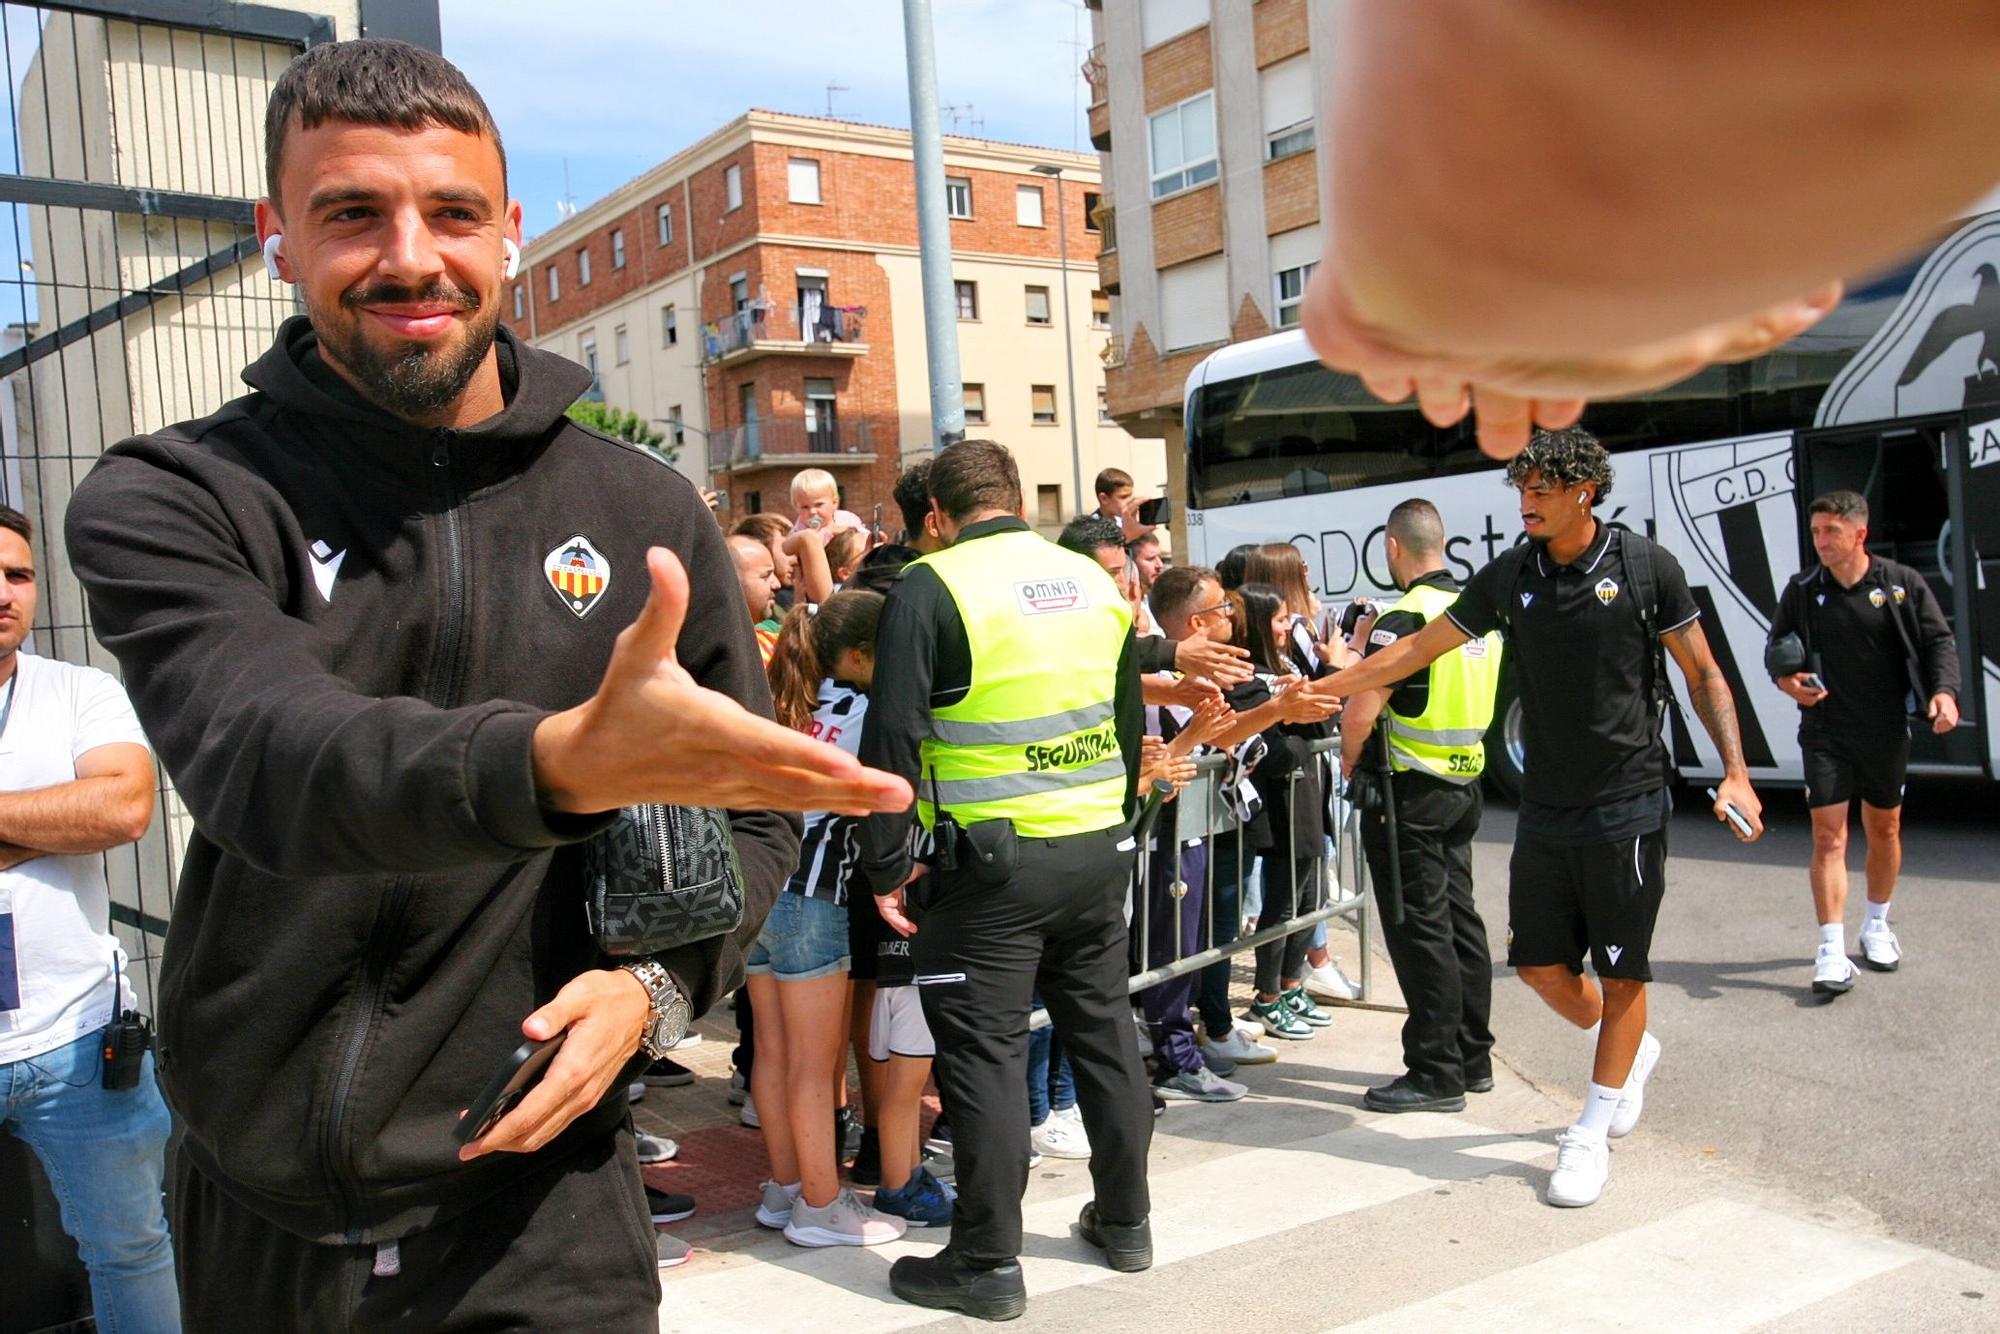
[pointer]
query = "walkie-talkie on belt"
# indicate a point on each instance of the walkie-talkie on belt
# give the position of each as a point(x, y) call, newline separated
point(944, 829)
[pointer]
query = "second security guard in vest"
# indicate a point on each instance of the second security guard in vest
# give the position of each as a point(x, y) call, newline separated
point(1434, 730)
point(1009, 695)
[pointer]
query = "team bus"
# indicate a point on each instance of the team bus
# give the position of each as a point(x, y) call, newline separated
point(1896, 394)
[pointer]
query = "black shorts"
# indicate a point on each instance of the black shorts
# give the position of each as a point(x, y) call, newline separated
point(1567, 900)
point(1839, 769)
point(865, 929)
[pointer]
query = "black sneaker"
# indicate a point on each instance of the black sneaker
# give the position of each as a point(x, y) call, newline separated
point(1127, 1247)
point(946, 1282)
point(1403, 1094)
point(667, 1207)
point(664, 1073)
point(1159, 1104)
point(867, 1168)
point(846, 1133)
point(1479, 1083)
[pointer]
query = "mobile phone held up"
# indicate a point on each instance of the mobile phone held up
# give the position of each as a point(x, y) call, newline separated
point(1157, 510)
point(510, 1083)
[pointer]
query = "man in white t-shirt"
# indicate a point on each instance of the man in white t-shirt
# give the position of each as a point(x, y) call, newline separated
point(76, 778)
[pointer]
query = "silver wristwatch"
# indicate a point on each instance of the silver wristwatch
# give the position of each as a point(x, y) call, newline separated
point(668, 1023)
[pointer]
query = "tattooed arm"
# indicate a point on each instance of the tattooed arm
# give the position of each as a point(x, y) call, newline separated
point(1717, 711)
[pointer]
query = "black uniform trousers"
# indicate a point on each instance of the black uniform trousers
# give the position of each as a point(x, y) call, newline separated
point(1058, 924)
point(1439, 949)
point(570, 1245)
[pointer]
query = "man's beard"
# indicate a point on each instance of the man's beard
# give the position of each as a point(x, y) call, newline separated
point(409, 379)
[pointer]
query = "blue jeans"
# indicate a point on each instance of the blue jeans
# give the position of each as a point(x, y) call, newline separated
point(802, 939)
point(1050, 1084)
point(105, 1155)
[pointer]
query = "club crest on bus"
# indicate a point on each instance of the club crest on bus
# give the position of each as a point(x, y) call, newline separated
point(1606, 591)
point(579, 574)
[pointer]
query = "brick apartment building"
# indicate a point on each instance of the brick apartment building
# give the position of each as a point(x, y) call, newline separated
point(1205, 112)
point(758, 294)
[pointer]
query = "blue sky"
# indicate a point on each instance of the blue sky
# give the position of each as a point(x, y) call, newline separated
point(615, 86)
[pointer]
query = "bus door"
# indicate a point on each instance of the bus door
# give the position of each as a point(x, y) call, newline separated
point(1920, 488)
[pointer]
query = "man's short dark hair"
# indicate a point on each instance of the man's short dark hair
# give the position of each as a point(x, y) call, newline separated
point(912, 495)
point(1174, 591)
point(14, 521)
point(372, 81)
point(975, 475)
point(1090, 534)
point(1142, 540)
point(1111, 479)
point(1849, 505)
point(1417, 527)
point(1569, 457)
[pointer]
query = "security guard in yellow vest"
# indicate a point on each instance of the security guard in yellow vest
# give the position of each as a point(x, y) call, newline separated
point(1434, 724)
point(1008, 694)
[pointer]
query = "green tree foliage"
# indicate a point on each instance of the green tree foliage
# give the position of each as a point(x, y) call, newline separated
point(625, 425)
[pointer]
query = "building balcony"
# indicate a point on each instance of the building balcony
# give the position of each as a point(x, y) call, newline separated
point(1113, 352)
point(1107, 272)
point(824, 331)
point(783, 442)
point(1100, 126)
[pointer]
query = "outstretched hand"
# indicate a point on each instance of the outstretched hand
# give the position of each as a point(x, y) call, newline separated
point(1513, 395)
point(652, 734)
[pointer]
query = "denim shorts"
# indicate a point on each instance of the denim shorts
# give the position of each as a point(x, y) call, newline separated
point(803, 938)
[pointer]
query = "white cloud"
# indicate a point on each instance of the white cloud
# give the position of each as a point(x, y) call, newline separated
point(615, 86)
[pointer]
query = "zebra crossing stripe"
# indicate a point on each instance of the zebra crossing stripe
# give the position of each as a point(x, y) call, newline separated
point(1715, 1265)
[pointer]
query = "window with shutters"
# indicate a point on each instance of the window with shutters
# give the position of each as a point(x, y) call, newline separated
point(1042, 403)
point(1182, 141)
point(1038, 305)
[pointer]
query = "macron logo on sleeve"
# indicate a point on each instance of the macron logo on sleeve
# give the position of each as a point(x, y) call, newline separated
point(325, 567)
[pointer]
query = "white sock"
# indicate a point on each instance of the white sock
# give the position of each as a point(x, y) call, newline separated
point(796, 1189)
point(1878, 912)
point(1834, 934)
point(1600, 1104)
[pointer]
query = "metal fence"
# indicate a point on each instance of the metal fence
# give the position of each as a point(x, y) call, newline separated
point(1335, 886)
point(133, 294)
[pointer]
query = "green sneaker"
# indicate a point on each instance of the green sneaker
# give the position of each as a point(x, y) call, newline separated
point(1279, 1020)
point(1306, 1008)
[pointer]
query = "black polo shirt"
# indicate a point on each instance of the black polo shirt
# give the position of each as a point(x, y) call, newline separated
point(1581, 667)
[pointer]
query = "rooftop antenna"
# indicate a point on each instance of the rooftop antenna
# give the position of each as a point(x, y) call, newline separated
point(964, 113)
point(566, 206)
point(831, 89)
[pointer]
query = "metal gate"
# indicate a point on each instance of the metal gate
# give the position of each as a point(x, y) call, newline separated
point(131, 290)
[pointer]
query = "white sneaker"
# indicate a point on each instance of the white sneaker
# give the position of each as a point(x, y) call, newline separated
point(739, 1088)
point(656, 1148)
point(1238, 1049)
point(1328, 983)
point(775, 1209)
point(1583, 1163)
point(1880, 949)
point(671, 1251)
point(635, 1091)
point(1034, 1155)
point(748, 1115)
point(1248, 1027)
point(1633, 1100)
point(1060, 1137)
point(844, 1221)
point(1200, 1085)
point(1833, 972)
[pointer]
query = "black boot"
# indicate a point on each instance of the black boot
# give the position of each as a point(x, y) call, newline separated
point(1127, 1247)
point(1404, 1094)
point(948, 1283)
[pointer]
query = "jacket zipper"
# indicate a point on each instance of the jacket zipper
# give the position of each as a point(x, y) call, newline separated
point(385, 937)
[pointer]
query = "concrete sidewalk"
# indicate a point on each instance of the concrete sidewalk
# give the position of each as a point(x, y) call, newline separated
point(1298, 1209)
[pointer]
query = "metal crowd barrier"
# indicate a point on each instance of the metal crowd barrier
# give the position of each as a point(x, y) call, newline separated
point(1337, 882)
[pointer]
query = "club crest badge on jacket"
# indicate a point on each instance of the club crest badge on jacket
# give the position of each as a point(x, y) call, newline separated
point(579, 574)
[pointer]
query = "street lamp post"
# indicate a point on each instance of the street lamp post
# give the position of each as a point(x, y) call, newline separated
point(1069, 350)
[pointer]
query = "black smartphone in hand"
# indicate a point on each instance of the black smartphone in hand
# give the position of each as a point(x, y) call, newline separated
point(511, 1083)
point(1156, 511)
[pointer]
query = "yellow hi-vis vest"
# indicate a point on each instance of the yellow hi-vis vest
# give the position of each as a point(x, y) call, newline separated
point(1034, 740)
point(1448, 739)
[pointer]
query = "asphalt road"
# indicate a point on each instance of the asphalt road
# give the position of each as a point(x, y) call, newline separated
point(1886, 1095)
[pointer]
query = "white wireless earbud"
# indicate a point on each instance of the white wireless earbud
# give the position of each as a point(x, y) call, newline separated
point(512, 264)
point(271, 256)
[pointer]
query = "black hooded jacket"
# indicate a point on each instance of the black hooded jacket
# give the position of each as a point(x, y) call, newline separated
point(340, 632)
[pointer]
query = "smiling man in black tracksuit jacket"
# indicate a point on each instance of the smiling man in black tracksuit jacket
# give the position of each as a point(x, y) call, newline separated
point(371, 617)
